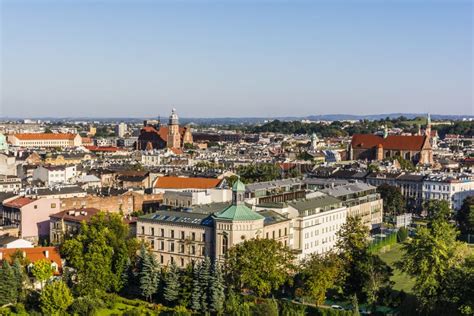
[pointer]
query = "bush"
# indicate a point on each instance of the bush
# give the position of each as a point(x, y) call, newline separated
point(266, 308)
point(291, 309)
point(402, 234)
point(86, 306)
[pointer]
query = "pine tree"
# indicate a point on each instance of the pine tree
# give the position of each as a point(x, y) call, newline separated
point(197, 291)
point(171, 290)
point(20, 278)
point(217, 296)
point(149, 275)
point(8, 284)
point(204, 283)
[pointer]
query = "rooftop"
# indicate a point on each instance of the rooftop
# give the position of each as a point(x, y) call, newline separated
point(314, 203)
point(186, 183)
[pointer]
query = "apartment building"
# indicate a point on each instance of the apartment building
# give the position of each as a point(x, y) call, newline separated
point(49, 174)
point(9, 183)
point(45, 140)
point(67, 223)
point(453, 188)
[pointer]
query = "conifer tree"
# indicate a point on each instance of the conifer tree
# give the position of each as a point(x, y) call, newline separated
point(197, 291)
point(20, 277)
point(204, 283)
point(217, 296)
point(8, 284)
point(171, 290)
point(149, 275)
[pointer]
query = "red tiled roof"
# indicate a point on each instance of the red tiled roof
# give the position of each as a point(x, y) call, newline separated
point(45, 136)
point(162, 132)
point(102, 148)
point(392, 142)
point(18, 202)
point(34, 254)
point(186, 183)
point(177, 151)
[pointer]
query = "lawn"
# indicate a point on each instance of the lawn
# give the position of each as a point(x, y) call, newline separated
point(402, 281)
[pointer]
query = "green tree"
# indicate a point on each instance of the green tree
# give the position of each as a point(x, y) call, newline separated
point(20, 278)
point(42, 271)
point(149, 274)
point(196, 291)
point(428, 257)
point(8, 284)
point(318, 274)
point(438, 209)
point(217, 288)
point(365, 274)
point(402, 234)
point(55, 298)
point(171, 290)
point(261, 265)
point(393, 200)
point(465, 216)
point(100, 253)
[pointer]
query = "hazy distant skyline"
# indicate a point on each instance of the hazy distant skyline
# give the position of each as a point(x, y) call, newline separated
point(235, 58)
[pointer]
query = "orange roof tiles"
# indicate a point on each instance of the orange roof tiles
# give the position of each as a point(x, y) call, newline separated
point(392, 142)
point(102, 148)
point(45, 136)
point(186, 183)
point(18, 202)
point(34, 254)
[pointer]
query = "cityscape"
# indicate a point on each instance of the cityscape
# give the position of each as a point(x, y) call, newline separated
point(208, 158)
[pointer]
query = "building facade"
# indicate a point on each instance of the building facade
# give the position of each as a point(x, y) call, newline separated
point(45, 140)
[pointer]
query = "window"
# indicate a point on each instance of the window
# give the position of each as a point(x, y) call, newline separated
point(182, 235)
point(204, 237)
point(161, 259)
point(143, 230)
point(162, 245)
point(193, 236)
point(181, 248)
point(225, 244)
point(193, 250)
point(182, 262)
point(153, 244)
point(152, 231)
point(171, 246)
point(172, 233)
point(162, 232)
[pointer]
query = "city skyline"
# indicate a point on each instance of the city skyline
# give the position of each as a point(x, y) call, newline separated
point(235, 59)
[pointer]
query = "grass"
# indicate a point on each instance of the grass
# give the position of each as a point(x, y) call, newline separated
point(402, 281)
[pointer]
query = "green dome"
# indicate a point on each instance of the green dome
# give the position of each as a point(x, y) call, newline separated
point(238, 186)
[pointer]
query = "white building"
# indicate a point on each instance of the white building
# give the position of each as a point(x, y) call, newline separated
point(453, 188)
point(121, 130)
point(34, 140)
point(55, 174)
point(9, 183)
point(189, 198)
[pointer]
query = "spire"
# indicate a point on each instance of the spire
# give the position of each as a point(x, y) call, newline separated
point(173, 118)
point(238, 191)
point(385, 131)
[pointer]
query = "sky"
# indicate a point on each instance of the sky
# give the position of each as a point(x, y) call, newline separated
point(113, 58)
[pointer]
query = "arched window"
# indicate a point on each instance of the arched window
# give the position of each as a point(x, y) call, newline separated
point(225, 244)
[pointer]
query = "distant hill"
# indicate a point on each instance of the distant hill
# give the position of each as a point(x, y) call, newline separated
point(256, 120)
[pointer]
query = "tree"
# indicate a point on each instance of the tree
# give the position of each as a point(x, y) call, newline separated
point(393, 200)
point(365, 274)
point(465, 216)
point(402, 234)
point(149, 274)
point(100, 253)
point(55, 298)
point(217, 296)
point(42, 271)
point(261, 265)
point(20, 278)
point(318, 274)
point(438, 209)
point(8, 284)
point(197, 291)
point(428, 256)
point(171, 290)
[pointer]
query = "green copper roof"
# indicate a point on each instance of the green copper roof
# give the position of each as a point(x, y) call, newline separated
point(238, 213)
point(238, 186)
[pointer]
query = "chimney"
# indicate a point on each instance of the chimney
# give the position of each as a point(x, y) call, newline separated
point(46, 253)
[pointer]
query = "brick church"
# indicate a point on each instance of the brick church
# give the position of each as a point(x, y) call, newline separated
point(415, 148)
point(153, 135)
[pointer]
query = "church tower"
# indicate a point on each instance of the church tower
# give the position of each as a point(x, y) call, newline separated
point(174, 138)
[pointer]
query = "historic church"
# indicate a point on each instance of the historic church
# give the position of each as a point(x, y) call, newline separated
point(153, 135)
point(415, 148)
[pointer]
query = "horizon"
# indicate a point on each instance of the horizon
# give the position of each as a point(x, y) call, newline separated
point(63, 58)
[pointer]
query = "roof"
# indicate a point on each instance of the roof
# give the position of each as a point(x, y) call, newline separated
point(6, 239)
point(178, 217)
point(162, 132)
point(347, 189)
point(318, 202)
point(102, 148)
point(76, 215)
point(35, 254)
point(186, 183)
point(56, 190)
point(272, 217)
point(393, 142)
point(18, 202)
point(239, 212)
point(45, 136)
point(238, 186)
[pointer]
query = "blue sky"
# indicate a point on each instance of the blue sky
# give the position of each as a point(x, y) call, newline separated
point(235, 58)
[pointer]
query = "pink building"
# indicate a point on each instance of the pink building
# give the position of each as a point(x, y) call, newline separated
point(31, 216)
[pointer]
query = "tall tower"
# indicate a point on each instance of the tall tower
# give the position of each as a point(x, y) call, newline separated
point(174, 138)
point(428, 126)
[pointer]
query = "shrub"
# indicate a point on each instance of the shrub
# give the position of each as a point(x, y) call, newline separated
point(291, 309)
point(266, 308)
point(402, 234)
point(86, 306)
